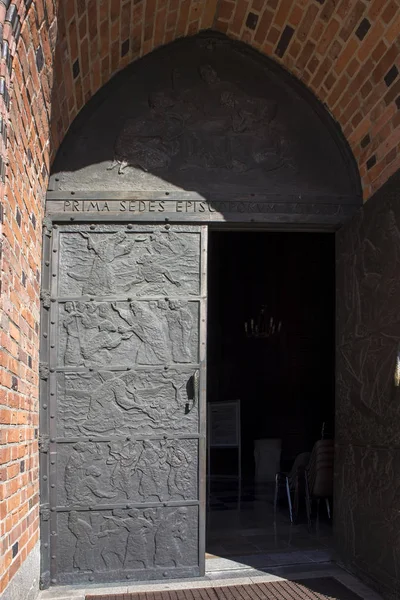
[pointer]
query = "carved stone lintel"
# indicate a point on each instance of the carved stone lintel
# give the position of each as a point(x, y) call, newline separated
point(45, 298)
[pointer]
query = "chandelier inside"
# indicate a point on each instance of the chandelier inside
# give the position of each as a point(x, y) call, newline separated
point(263, 326)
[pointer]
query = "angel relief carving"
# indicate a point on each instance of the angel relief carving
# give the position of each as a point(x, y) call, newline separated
point(105, 264)
point(102, 277)
point(144, 333)
point(210, 125)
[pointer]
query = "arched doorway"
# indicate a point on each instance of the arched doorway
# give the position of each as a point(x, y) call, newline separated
point(201, 134)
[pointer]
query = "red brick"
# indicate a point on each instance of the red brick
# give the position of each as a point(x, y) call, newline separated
point(352, 20)
point(282, 13)
point(328, 36)
point(346, 56)
point(385, 64)
point(226, 9)
point(392, 33)
point(305, 55)
point(263, 26)
point(390, 11)
point(273, 35)
point(370, 41)
point(306, 24)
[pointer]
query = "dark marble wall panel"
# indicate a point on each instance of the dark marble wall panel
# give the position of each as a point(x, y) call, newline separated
point(367, 470)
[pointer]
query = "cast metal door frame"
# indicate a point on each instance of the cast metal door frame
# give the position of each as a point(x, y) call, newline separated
point(47, 368)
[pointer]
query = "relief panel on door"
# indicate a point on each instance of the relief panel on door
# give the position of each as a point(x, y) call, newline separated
point(117, 471)
point(138, 263)
point(155, 332)
point(122, 438)
point(127, 543)
point(136, 402)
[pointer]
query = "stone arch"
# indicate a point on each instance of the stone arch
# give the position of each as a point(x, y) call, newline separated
point(241, 125)
point(341, 52)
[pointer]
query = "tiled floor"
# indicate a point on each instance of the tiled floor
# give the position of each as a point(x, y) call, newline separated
point(244, 523)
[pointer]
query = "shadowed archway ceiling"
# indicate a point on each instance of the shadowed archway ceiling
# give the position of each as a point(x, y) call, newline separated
point(205, 114)
point(345, 52)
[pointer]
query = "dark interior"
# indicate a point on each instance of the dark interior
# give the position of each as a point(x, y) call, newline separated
point(285, 382)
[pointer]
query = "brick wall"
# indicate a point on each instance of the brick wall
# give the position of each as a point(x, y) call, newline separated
point(346, 51)
point(25, 82)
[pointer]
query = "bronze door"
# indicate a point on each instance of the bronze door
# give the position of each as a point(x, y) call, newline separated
point(123, 403)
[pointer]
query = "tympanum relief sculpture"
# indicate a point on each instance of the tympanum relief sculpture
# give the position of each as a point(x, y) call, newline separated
point(211, 124)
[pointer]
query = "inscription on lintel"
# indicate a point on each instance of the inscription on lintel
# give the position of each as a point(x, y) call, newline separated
point(193, 207)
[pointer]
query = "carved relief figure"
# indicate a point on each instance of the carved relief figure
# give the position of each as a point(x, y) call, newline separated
point(80, 316)
point(86, 542)
point(150, 143)
point(133, 539)
point(83, 454)
point(155, 273)
point(146, 470)
point(73, 349)
point(170, 538)
point(106, 337)
point(131, 550)
point(88, 487)
point(89, 329)
point(154, 262)
point(210, 125)
point(146, 326)
point(152, 461)
point(180, 328)
point(112, 390)
point(178, 477)
point(170, 244)
point(113, 547)
point(139, 546)
point(125, 458)
point(102, 279)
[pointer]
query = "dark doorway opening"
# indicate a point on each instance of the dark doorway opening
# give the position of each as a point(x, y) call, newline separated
point(271, 341)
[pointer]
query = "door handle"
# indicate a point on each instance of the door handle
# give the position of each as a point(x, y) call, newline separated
point(196, 391)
